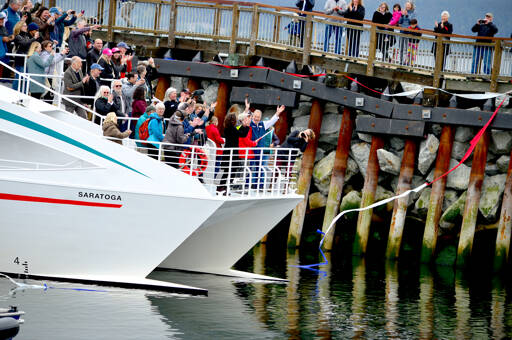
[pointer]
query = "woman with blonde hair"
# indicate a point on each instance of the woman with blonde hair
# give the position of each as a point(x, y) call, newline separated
point(355, 11)
point(36, 65)
point(111, 129)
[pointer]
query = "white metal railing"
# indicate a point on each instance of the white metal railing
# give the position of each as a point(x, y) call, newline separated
point(11, 164)
point(229, 171)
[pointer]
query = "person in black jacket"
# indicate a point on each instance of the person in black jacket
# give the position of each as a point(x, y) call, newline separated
point(104, 103)
point(24, 36)
point(305, 6)
point(483, 28)
point(355, 10)
point(94, 54)
point(296, 140)
point(443, 27)
point(383, 16)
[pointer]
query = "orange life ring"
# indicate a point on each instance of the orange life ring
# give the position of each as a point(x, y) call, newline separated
point(185, 162)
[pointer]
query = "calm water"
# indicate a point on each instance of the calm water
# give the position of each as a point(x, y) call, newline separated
point(350, 300)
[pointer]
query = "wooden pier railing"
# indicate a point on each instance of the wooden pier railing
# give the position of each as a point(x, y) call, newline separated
point(251, 25)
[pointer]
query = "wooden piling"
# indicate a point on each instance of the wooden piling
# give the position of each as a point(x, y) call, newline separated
point(505, 224)
point(304, 182)
point(476, 179)
point(222, 103)
point(162, 86)
point(338, 175)
point(370, 186)
point(400, 205)
point(192, 84)
point(435, 206)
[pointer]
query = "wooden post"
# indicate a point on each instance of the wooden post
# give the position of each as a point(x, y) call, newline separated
point(338, 175)
point(304, 182)
point(308, 31)
point(370, 186)
point(255, 28)
point(496, 65)
point(435, 206)
point(505, 224)
point(171, 42)
point(372, 50)
point(222, 103)
point(111, 19)
point(400, 206)
point(438, 67)
point(162, 86)
point(467, 231)
point(158, 9)
point(234, 28)
point(99, 10)
point(192, 84)
point(216, 23)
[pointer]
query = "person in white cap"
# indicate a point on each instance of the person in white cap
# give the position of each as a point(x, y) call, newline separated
point(483, 28)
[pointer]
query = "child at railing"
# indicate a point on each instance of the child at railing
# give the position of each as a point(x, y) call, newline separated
point(412, 44)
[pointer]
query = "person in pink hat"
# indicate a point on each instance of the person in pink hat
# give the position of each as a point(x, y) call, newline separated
point(108, 72)
point(119, 62)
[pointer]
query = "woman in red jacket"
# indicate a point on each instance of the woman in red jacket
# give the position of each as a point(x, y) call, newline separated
point(212, 131)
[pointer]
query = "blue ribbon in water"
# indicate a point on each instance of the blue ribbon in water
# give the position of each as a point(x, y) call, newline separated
point(312, 266)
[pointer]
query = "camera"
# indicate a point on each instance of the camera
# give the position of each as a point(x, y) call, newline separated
point(72, 12)
point(481, 21)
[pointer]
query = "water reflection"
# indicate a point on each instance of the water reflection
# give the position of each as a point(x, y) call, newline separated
point(463, 311)
point(498, 306)
point(324, 299)
point(392, 313)
point(358, 297)
point(261, 295)
point(426, 303)
point(292, 294)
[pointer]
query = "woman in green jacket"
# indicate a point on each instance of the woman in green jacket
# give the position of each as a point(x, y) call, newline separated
point(36, 65)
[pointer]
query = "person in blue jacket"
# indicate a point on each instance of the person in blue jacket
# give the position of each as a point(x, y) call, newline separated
point(149, 110)
point(304, 6)
point(13, 16)
point(60, 23)
point(156, 131)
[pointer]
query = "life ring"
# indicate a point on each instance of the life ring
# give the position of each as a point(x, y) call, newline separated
point(185, 162)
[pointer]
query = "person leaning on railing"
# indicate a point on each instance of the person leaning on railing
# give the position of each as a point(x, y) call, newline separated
point(443, 27)
point(334, 8)
point(111, 129)
point(384, 41)
point(356, 11)
point(483, 28)
point(36, 65)
point(74, 81)
point(408, 13)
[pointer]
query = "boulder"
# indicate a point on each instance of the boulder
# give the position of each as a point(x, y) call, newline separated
point(454, 211)
point(491, 169)
point(502, 163)
point(396, 143)
point(382, 194)
point(352, 200)
point(210, 93)
point(416, 182)
point(331, 123)
point(322, 172)
point(388, 162)
point(436, 129)
point(501, 142)
point(459, 149)
point(178, 84)
point(463, 134)
point(317, 200)
point(459, 178)
point(304, 109)
point(331, 108)
point(428, 153)
point(300, 123)
point(304, 98)
point(450, 196)
point(492, 190)
point(320, 153)
point(364, 137)
point(360, 153)
point(422, 204)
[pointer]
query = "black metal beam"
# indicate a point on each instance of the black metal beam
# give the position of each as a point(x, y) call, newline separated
point(395, 127)
point(264, 96)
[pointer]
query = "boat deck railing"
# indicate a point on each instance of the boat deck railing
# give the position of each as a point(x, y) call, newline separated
point(246, 26)
point(237, 172)
point(13, 164)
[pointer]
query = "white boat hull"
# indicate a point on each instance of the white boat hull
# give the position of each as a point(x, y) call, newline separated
point(228, 234)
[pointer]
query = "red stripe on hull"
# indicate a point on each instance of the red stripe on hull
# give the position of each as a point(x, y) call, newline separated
point(23, 198)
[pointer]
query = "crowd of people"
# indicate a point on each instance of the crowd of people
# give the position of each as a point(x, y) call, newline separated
point(397, 16)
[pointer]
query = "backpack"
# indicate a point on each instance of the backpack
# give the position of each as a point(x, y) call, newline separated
point(144, 129)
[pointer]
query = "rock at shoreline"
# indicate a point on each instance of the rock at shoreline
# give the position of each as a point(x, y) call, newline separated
point(436, 129)
point(502, 163)
point(422, 204)
point(317, 200)
point(382, 194)
point(459, 149)
point(463, 134)
point(501, 142)
point(179, 83)
point(322, 172)
point(491, 169)
point(492, 190)
point(451, 215)
point(428, 153)
point(388, 162)
point(364, 137)
point(304, 109)
point(361, 152)
point(459, 178)
point(396, 143)
point(300, 123)
point(450, 196)
point(210, 93)
point(320, 153)
point(352, 200)
point(330, 108)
